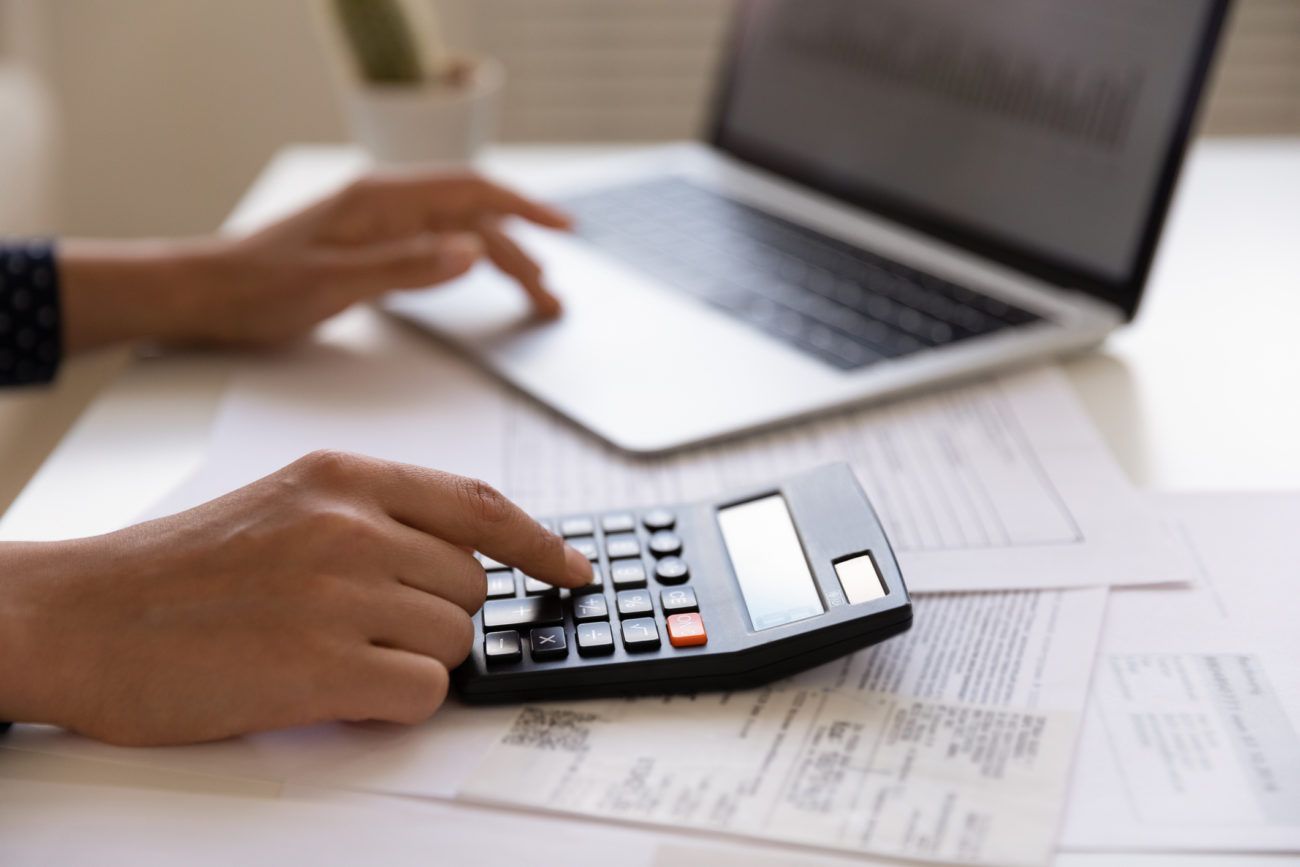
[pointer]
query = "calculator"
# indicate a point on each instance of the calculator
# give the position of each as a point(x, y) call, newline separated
point(721, 594)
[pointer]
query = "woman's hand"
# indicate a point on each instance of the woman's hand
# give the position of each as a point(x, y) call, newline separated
point(386, 231)
point(340, 587)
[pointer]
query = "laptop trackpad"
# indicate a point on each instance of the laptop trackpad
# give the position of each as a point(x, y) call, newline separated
point(628, 357)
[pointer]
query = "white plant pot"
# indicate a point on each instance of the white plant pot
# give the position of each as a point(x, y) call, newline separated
point(429, 123)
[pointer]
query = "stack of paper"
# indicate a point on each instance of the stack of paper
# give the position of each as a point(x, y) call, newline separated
point(1190, 741)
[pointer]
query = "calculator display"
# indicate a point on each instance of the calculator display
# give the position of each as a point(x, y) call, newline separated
point(769, 562)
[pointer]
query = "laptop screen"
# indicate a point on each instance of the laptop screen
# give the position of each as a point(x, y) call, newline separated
point(1042, 133)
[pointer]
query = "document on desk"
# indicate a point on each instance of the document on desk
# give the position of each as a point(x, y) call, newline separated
point(999, 485)
point(950, 743)
point(1190, 742)
point(971, 716)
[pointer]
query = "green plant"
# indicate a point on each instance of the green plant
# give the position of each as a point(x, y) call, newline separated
point(383, 39)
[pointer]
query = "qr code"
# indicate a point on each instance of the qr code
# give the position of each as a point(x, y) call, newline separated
point(545, 729)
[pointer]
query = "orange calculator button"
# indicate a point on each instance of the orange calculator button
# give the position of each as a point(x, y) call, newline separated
point(686, 630)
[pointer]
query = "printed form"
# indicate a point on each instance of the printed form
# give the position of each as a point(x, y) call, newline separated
point(1190, 742)
point(946, 743)
point(952, 741)
point(998, 485)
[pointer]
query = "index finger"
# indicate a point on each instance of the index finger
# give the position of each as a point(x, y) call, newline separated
point(505, 201)
point(470, 512)
point(442, 194)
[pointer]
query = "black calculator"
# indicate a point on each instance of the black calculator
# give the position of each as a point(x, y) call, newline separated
point(721, 594)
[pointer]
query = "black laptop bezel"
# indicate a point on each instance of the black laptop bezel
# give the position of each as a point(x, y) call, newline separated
point(1124, 294)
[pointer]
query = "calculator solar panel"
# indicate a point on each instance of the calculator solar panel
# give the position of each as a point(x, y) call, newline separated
point(712, 595)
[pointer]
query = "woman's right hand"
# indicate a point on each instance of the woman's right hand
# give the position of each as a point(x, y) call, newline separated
point(340, 587)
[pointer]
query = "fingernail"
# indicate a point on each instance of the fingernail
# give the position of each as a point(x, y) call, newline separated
point(548, 307)
point(563, 219)
point(578, 564)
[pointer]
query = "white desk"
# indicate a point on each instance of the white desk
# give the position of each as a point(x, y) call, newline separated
point(1199, 393)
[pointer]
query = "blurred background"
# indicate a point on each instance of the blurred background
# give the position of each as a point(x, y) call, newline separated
point(151, 117)
point(139, 117)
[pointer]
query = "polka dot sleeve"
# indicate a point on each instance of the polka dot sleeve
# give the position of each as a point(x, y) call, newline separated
point(31, 336)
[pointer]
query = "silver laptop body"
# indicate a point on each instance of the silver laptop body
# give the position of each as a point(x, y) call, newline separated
point(894, 195)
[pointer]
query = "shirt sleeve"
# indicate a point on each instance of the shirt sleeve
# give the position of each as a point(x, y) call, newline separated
point(31, 322)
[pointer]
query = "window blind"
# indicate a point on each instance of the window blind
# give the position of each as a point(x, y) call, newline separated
point(1257, 89)
point(643, 69)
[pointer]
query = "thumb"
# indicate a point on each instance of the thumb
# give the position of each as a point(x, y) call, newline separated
point(411, 263)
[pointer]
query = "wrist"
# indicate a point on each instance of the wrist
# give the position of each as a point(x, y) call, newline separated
point(130, 291)
point(30, 679)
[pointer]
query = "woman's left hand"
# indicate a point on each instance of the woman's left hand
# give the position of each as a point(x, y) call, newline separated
point(390, 230)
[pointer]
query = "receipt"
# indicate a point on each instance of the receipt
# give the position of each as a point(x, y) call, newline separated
point(950, 742)
point(862, 771)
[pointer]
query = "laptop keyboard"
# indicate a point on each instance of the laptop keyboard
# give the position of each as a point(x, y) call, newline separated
point(840, 303)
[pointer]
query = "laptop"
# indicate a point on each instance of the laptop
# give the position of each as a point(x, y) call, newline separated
point(894, 194)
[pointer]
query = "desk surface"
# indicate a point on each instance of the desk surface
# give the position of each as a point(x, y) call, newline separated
point(1200, 392)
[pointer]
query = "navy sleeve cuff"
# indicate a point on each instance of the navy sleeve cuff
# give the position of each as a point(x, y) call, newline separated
point(31, 324)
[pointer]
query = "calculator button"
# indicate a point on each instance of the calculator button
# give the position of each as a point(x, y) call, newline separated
point(590, 607)
point(677, 600)
point(586, 547)
point(658, 519)
point(619, 522)
point(522, 612)
point(577, 527)
point(548, 643)
point(672, 570)
point(595, 639)
point(686, 630)
point(641, 634)
point(634, 602)
point(622, 546)
point(533, 587)
point(627, 573)
point(665, 543)
point(597, 582)
point(500, 585)
point(502, 647)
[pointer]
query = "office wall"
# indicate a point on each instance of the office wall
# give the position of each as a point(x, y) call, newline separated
point(621, 70)
point(169, 108)
point(1258, 87)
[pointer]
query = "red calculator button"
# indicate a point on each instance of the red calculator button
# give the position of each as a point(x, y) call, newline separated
point(686, 630)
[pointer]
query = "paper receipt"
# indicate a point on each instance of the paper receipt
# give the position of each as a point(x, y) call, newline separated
point(868, 772)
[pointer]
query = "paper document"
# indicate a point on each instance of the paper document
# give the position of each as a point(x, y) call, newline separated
point(1016, 662)
point(135, 826)
point(868, 772)
point(1027, 648)
point(1191, 741)
point(952, 742)
point(999, 485)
